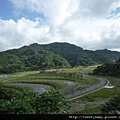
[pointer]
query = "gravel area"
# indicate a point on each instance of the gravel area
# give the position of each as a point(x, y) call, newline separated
point(71, 85)
point(36, 87)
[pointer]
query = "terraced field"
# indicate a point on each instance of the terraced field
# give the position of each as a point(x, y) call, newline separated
point(75, 88)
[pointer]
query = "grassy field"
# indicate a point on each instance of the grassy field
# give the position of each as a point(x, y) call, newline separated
point(53, 84)
point(95, 109)
point(88, 104)
point(57, 79)
point(20, 88)
point(1, 76)
point(91, 103)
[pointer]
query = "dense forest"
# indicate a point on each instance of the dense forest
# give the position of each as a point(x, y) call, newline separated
point(111, 69)
point(54, 55)
point(77, 56)
point(30, 58)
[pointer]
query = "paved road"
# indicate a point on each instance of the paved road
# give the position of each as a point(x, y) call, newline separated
point(41, 89)
point(5, 77)
point(92, 88)
point(70, 86)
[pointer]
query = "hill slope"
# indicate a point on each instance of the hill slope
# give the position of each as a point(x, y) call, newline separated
point(77, 56)
point(31, 57)
point(54, 55)
point(109, 69)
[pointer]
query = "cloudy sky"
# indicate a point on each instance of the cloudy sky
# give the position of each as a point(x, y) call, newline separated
point(90, 24)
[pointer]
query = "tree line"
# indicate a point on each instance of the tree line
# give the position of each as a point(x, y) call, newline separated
point(54, 55)
point(109, 69)
point(28, 59)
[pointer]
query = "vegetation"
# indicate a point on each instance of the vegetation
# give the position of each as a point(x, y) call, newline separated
point(17, 102)
point(89, 110)
point(101, 94)
point(51, 102)
point(112, 106)
point(81, 57)
point(55, 55)
point(109, 69)
point(29, 58)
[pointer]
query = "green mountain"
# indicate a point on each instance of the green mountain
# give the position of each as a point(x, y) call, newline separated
point(103, 56)
point(54, 55)
point(109, 69)
point(74, 54)
point(77, 56)
point(31, 57)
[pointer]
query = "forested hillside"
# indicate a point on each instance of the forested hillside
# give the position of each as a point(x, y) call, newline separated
point(54, 55)
point(103, 56)
point(109, 69)
point(77, 56)
point(30, 58)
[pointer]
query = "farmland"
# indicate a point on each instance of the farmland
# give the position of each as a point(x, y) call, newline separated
point(64, 78)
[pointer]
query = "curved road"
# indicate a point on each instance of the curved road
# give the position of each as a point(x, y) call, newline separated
point(75, 95)
point(5, 77)
point(73, 85)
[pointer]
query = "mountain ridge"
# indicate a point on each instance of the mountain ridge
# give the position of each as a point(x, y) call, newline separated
point(78, 56)
point(54, 55)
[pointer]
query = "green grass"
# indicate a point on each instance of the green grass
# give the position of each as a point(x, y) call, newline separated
point(61, 75)
point(31, 75)
point(89, 110)
point(19, 88)
point(97, 97)
point(53, 84)
point(39, 77)
point(24, 73)
point(83, 84)
point(65, 74)
point(1, 76)
point(90, 81)
point(68, 74)
point(93, 98)
point(85, 69)
point(100, 94)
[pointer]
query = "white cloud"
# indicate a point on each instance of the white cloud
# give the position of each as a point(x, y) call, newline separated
point(97, 8)
point(81, 22)
point(15, 34)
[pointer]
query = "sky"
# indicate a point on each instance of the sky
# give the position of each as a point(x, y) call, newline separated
point(90, 24)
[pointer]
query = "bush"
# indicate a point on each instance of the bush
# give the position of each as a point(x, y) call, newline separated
point(14, 102)
point(15, 106)
point(112, 106)
point(51, 102)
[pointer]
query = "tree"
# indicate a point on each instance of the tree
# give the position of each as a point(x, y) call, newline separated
point(51, 102)
point(16, 102)
point(112, 106)
point(16, 106)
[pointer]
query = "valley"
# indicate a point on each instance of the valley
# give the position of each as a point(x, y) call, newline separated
point(84, 93)
point(45, 75)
